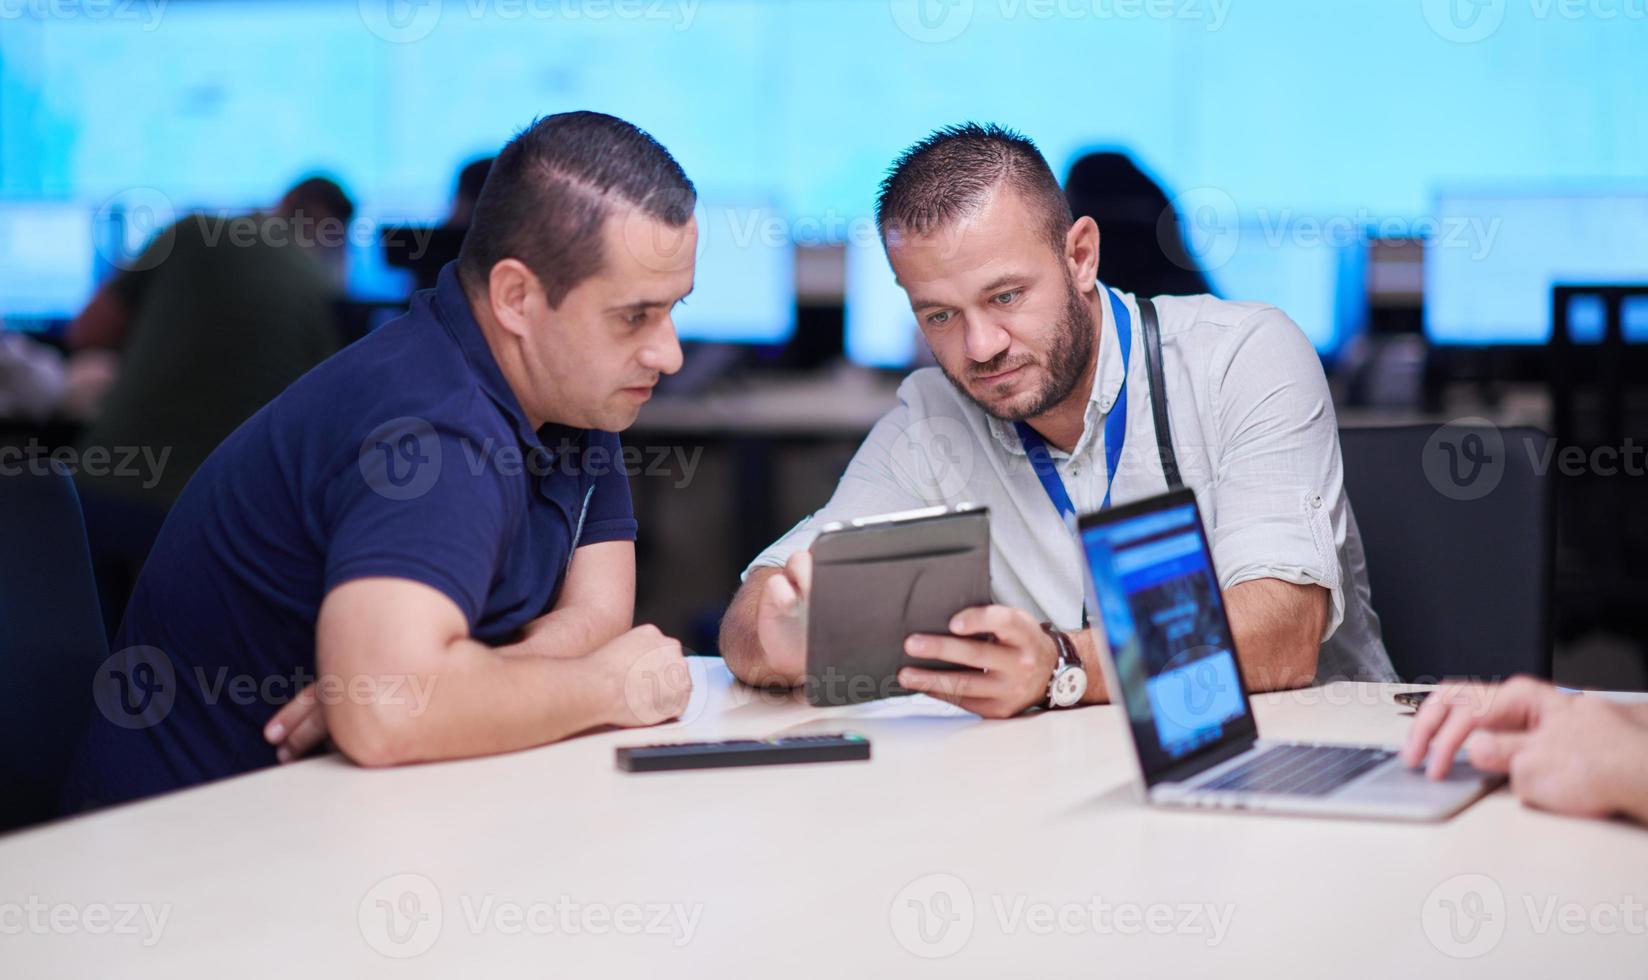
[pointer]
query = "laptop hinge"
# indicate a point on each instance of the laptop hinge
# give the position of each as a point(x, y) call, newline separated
point(1201, 762)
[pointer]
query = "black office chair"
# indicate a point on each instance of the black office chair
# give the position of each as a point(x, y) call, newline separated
point(1457, 523)
point(51, 639)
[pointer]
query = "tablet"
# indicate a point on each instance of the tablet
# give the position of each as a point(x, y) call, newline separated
point(875, 581)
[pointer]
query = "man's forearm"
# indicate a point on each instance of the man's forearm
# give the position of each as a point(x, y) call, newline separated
point(481, 702)
point(572, 631)
point(741, 640)
point(1278, 630)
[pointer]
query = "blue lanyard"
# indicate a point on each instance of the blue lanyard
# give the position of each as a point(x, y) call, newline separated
point(1115, 427)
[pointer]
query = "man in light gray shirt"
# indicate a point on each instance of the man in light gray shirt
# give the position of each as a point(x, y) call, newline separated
point(1006, 288)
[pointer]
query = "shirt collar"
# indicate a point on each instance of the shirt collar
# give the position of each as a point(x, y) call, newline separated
point(1107, 383)
point(452, 310)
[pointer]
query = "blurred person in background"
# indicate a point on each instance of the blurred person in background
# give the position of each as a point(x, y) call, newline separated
point(213, 319)
point(424, 252)
point(1142, 238)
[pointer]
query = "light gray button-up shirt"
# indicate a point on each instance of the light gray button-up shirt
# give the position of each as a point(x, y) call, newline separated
point(1255, 435)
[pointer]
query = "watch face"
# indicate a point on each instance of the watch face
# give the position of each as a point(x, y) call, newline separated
point(1069, 684)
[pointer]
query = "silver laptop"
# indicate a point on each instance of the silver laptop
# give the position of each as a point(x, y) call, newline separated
point(1172, 667)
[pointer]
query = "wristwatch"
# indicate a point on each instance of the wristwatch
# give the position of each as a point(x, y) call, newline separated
point(1069, 681)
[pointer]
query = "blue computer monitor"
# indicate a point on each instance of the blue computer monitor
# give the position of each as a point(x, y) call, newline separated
point(1494, 257)
point(47, 260)
point(880, 328)
point(1313, 281)
point(744, 286)
point(1314, 277)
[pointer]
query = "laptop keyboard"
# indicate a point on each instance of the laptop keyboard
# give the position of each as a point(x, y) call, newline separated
point(1299, 770)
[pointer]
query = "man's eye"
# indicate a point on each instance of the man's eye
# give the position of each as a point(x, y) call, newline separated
point(941, 317)
point(1002, 299)
point(636, 319)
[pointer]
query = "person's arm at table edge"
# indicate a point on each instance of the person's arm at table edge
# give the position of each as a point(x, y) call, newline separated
point(478, 700)
point(1278, 630)
point(596, 604)
point(741, 639)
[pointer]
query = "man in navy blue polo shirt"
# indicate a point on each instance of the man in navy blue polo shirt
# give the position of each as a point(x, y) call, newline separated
point(429, 535)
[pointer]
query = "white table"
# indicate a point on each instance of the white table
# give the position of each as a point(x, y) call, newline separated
point(1016, 848)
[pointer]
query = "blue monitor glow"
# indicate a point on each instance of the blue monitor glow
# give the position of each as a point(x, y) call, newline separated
point(744, 285)
point(47, 260)
point(1309, 277)
point(880, 329)
point(1491, 265)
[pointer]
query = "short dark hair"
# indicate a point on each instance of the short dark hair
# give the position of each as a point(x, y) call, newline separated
point(551, 188)
point(318, 197)
point(951, 173)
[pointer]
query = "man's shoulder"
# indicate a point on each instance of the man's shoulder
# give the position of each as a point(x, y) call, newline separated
point(1214, 330)
point(406, 373)
point(1179, 314)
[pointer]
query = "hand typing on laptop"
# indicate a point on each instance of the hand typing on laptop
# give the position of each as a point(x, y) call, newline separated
point(1567, 753)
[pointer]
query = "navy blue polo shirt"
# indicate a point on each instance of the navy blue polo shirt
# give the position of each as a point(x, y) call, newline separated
point(405, 455)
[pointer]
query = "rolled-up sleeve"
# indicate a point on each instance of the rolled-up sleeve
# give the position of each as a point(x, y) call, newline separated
point(1279, 486)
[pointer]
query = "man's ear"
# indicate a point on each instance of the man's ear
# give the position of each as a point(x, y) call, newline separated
point(513, 292)
point(1081, 252)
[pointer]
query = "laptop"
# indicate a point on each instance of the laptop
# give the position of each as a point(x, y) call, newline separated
point(1171, 665)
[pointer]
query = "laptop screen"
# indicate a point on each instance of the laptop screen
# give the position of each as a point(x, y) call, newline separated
point(1159, 604)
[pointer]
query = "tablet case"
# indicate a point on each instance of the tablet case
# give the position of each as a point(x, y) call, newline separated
point(877, 582)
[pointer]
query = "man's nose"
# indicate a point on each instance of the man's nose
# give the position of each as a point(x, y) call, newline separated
point(985, 339)
point(663, 352)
